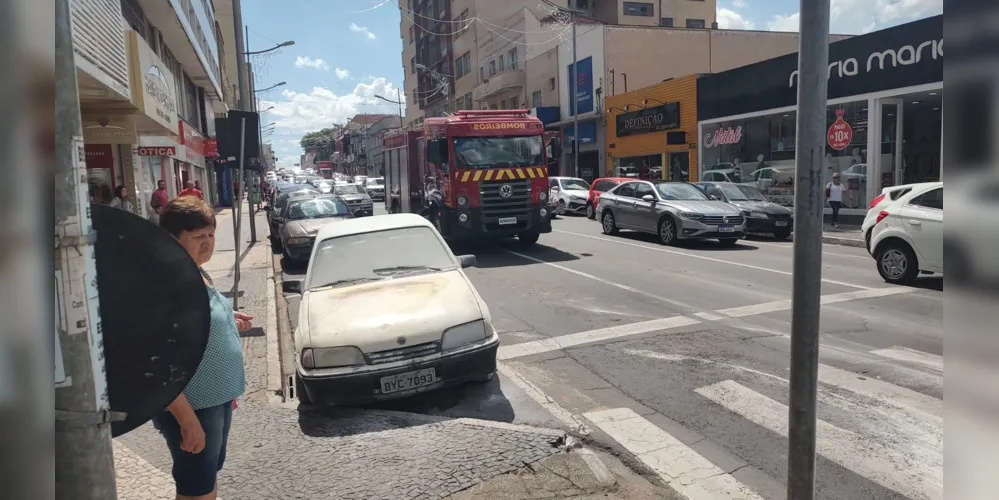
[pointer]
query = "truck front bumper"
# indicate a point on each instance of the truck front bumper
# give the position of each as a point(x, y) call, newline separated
point(473, 223)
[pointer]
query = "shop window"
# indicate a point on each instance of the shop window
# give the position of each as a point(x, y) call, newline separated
point(638, 9)
point(639, 167)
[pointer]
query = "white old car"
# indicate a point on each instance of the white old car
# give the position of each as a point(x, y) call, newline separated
point(387, 312)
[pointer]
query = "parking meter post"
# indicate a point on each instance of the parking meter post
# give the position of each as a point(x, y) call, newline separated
point(813, 60)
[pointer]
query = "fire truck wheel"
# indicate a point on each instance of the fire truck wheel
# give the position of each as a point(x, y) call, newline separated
point(528, 239)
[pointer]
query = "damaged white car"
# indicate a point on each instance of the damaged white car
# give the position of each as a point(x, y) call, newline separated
point(387, 312)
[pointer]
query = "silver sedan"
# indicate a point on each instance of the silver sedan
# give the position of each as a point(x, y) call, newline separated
point(671, 210)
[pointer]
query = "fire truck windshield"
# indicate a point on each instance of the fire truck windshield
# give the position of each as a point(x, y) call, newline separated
point(492, 152)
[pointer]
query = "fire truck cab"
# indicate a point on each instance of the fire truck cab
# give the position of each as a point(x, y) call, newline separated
point(487, 175)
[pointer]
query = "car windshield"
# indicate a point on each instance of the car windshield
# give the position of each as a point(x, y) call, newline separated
point(376, 255)
point(349, 189)
point(575, 184)
point(748, 193)
point(315, 208)
point(283, 199)
point(489, 152)
point(375, 182)
point(680, 191)
point(322, 183)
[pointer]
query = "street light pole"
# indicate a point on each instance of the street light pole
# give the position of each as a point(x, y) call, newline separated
point(813, 60)
point(575, 105)
point(253, 107)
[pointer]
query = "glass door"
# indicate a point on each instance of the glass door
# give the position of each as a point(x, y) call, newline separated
point(679, 166)
point(889, 141)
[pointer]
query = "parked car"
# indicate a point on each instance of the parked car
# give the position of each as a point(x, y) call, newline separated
point(888, 196)
point(388, 312)
point(280, 199)
point(356, 198)
point(375, 187)
point(597, 188)
point(673, 210)
point(302, 219)
point(568, 194)
point(762, 215)
point(324, 186)
point(907, 235)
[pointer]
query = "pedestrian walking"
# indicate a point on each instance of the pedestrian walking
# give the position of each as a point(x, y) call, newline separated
point(196, 424)
point(158, 200)
point(197, 185)
point(120, 200)
point(191, 190)
point(834, 195)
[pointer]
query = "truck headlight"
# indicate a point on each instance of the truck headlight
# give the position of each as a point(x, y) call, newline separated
point(299, 241)
point(462, 201)
point(543, 212)
point(332, 357)
point(463, 217)
point(544, 196)
point(465, 334)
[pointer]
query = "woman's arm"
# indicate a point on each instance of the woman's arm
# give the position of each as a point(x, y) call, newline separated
point(192, 435)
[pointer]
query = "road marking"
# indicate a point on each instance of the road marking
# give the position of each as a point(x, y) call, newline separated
point(890, 464)
point(905, 354)
point(708, 316)
point(686, 307)
point(866, 256)
point(575, 339)
point(703, 257)
point(534, 392)
point(682, 468)
point(597, 466)
point(834, 298)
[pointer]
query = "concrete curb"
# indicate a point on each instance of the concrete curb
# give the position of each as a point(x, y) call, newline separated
point(847, 242)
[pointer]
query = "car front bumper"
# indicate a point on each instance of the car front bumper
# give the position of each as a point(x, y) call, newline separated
point(575, 206)
point(694, 230)
point(358, 385)
point(768, 225)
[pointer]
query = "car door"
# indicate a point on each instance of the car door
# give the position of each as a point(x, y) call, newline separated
point(922, 219)
point(644, 213)
point(622, 203)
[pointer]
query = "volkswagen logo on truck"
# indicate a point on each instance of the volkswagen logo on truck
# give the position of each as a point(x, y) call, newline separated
point(506, 190)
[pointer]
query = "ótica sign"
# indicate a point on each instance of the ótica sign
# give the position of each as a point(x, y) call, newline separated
point(157, 151)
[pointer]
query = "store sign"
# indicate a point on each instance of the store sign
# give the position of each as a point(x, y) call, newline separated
point(211, 147)
point(108, 131)
point(99, 156)
point(152, 84)
point(906, 55)
point(840, 133)
point(191, 139)
point(583, 86)
point(156, 151)
point(664, 117)
point(723, 136)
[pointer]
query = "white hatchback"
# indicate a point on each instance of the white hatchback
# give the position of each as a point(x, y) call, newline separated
point(906, 234)
point(387, 312)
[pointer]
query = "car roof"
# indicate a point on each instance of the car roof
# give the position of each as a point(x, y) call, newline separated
point(372, 224)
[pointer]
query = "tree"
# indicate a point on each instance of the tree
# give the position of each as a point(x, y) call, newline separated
point(322, 141)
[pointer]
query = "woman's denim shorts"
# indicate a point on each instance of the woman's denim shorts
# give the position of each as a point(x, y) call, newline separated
point(195, 473)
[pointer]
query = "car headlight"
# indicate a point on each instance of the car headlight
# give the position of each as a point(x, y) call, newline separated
point(544, 195)
point(691, 215)
point(332, 357)
point(465, 334)
point(756, 215)
point(463, 201)
point(366, 199)
point(575, 198)
point(299, 241)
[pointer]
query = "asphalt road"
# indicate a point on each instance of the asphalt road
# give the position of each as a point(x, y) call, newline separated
point(680, 355)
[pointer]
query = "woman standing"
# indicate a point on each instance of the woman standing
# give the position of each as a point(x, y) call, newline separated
point(120, 199)
point(196, 424)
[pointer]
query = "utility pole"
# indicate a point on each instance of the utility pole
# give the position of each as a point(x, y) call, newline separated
point(253, 107)
point(813, 60)
point(238, 212)
point(575, 105)
point(84, 464)
point(237, 11)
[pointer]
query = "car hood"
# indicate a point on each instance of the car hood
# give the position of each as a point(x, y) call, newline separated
point(582, 193)
point(374, 316)
point(376, 188)
point(762, 206)
point(309, 227)
point(352, 197)
point(705, 207)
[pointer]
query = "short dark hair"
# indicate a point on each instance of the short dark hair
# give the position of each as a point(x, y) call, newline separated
point(187, 213)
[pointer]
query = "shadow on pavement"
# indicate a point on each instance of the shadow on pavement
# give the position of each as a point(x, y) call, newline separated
point(930, 283)
point(709, 245)
point(498, 254)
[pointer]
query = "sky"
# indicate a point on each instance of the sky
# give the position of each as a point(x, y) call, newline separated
point(348, 51)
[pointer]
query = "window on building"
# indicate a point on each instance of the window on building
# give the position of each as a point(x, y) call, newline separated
point(412, 34)
point(502, 104)
point(460, 69)
point(536, 99)
point(513, 58)
point(468, 100)
point(482, 73)
point(514, 102)
point(551, 83)
point(493, 106)
point(666, 22)
point(461, 22)
point(412, 65)
point(492, 67)
point(466, 60)
point(583, 4)
point(410, 5)
point(502, 67)
point(638, 9)
point(695, 23)
point(460, 103)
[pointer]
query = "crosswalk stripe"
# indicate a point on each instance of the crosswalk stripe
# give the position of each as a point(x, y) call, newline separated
point(905, 354)
point(881, 462)
point(575, 339)
point(883, 391)
point(833, 298)
point(685, 470)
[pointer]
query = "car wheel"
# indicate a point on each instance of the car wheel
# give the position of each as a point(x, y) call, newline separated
point(561, 207)
point(782, 234)
point(608, 225)
point(728, 242)
point(528, 239)
point(590, 212)
point(897, 263)
point(667, 231)
point(300, 394)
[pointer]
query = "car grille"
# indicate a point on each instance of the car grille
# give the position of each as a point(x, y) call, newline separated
point(494, 205)
point(403, 353)
point(779, 216)
point(714, 220)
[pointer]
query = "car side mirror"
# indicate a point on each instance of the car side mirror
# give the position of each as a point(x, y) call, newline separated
point(467, 260)
point(556, 150)
point(291, 286)
point(649, 198)
point(556, 189)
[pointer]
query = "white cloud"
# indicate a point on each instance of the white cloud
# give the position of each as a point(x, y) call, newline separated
point(738, 3)
point(361, 29)
point(731, 20)
point(342, 73)
point(853, 17)
point(307, 62)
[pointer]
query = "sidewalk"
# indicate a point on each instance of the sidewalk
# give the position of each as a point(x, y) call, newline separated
point(844, 235)
point(277, 450)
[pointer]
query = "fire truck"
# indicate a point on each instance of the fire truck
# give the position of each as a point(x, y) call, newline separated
point(474, 174)
point(325, 169)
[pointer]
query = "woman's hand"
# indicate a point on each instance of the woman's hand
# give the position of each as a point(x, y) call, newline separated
point(243, 321)
point(192, 436)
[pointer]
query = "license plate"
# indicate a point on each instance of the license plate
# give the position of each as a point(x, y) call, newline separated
point(726, 229)
point(408, 380)
point(781, 223)
point(503, 221)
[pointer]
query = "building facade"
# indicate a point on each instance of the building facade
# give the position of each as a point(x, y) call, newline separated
point(668, 14)
point(884, 116)
point(374, 146)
